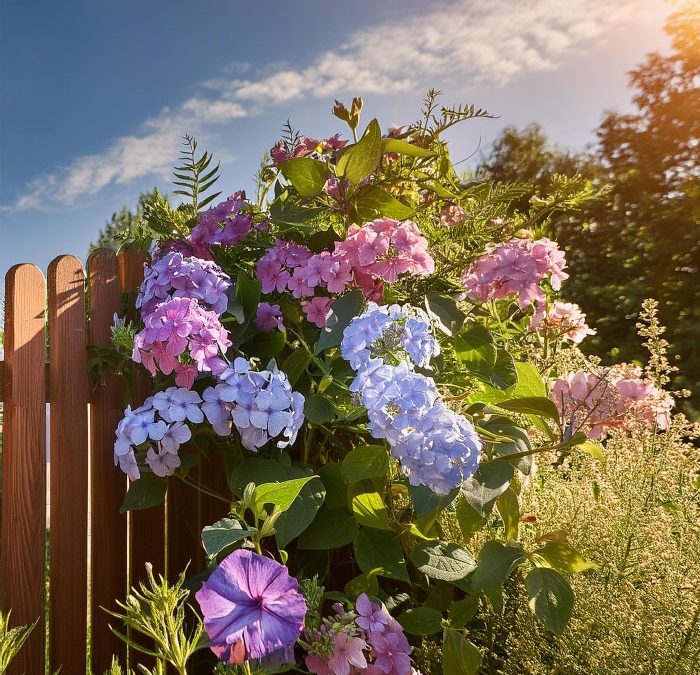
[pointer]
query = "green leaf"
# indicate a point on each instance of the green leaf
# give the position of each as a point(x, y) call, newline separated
point(529, 383)
point(470, 520)
point(592, 448)
point(421, 621)
point(475, 348)
point(462, 611)
point(365, 461)
point(307, 175)
point(223, 533)
point(318, 409)
point(509, 510)
point(371, 201)
point(405, 148)
point(427, 505)
point(444, 311)
point(369, 510)
point(265, 346)
point(295, 365)
point(532, 405)
point(374, 550)
point(562, 557)
point(336, 487)
point(362, 583)
point(550, 598)
point(359, 160)
point(504, 374)
point(147, 491)
point(330, 529)
point(443, 561)
point(495, 564)
point(459, 656)
point(281, 495)
point(247, 296)
point(487, 484)
point(343, 311)
point(301, 513)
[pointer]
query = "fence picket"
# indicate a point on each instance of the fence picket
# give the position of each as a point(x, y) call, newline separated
point(108, 483)
point(23, 535)
point(69, 464)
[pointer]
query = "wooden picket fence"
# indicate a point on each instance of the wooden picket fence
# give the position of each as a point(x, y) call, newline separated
point(94, 552)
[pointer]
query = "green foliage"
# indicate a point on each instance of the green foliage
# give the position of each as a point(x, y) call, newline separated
point(157, 611)
point(124, 225)
point(11, 639)
point(195, 175)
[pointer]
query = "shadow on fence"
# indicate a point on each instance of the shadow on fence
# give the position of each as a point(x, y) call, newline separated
point(95, 552)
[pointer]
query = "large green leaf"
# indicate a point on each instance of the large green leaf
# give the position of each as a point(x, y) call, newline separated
point(475, 348)
point(359, 160)
point(301, 513)
point(336, 487)
point(330, 529)
point(442, 560)
point(369, 510)
point(371, 201)
point(470, 520)
point(147, 491)
point(421, 621)
point(223, 533)
point(280, 495)
point(365, 461)
point(343, 311)
point(444, 311)
point(487, 484)
point(532, 405)
point(550, 598)
point(265, 346)
point(405, 148)
point(295, 365)
point(495, 564)
point(318, 409)
point(307, 175)
point(529, 383)
point(459, 656)
point(562, 557)
point(374, 550)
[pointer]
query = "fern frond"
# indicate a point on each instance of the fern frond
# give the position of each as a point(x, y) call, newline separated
point(195, 175)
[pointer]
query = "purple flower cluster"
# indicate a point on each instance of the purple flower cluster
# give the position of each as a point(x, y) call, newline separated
point(180, 328)
point(252, 608)
point(268, 317)
point(221, 225)
point(158, 428)
point(368, 640)
point(175, 275)
point(261, 405)
point(437, 447)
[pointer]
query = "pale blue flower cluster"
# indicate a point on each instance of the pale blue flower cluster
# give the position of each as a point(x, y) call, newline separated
point(437, 447)
point(261, 405)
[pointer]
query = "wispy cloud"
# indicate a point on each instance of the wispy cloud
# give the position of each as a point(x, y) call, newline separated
point(463, 42)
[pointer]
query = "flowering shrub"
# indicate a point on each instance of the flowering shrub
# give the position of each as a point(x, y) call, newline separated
point(368, 345)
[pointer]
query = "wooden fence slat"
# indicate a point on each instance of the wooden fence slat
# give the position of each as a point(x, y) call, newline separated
point(23, 535)
point(69, 464)
point(146, 528)
point(108, 484)
point(184, 526)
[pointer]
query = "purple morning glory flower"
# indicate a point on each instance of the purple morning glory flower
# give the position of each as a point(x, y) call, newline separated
point(251, 607)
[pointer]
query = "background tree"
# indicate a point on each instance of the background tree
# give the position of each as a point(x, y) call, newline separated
point(122, 225)
point(643, 240)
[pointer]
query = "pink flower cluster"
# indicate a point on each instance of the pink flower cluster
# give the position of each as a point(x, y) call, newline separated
point(452, 214)
point(564, 321)
point(368, 641)
point(181, 329)
point(596, 402)
point(221, 225)
point(378, 251)
point(282, 151)
point(516, 268)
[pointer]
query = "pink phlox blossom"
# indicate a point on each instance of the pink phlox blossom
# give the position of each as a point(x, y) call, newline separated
point(451, 215)
point(317, 310)
point(515, 268)
point(564, 321)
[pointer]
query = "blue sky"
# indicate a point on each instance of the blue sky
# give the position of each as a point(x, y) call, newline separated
point(95, 94)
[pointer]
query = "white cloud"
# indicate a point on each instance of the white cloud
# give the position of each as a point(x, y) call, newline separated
point(463, 42)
